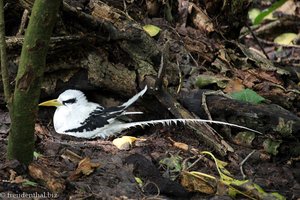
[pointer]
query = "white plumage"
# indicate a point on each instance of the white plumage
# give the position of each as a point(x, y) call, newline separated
point(80, 118)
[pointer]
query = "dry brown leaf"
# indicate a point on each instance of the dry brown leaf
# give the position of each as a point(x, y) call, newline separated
point(197, 183)
point(182, 12)
point(288, 8)
point(152, 7)
point(234, 85)
point(103, 11)
point(70, 155)
point(16, 179)
point(12, 175)
point(179, 145)
point(85, 167)
point(200, 18)
point(19, 179)
point(13, 178)
point(41, 130)
point(248, 79)
point(47, 177)
point(264, 75)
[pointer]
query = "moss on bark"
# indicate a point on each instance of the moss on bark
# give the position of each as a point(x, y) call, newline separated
point(28, 80)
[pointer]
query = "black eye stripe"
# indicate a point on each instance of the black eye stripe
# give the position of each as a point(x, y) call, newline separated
point(70, 101)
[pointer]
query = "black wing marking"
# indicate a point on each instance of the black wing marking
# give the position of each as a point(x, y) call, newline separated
point(98, 118)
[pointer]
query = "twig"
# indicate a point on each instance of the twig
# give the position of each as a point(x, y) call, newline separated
point(243, 162)
point(180, 39)
point(180, 78)
point(194, 163)
point(6, 6)
point(203, 131)
point(60, 41)
point(97, 24)
point(23, 22)
point(125, 7)
point(158, 190)
point(257, 41)
point(204, 104)
point(163, 64)
point(4, 70)
point(160, 74)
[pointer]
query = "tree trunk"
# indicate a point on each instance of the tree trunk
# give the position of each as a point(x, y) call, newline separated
point(4, 70)
point(28, 80)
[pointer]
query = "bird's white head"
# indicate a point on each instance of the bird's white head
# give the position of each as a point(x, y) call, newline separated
point(71, 97)
point(67, 98)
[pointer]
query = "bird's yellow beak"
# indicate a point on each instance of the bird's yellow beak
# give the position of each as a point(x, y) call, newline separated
point(52, 102)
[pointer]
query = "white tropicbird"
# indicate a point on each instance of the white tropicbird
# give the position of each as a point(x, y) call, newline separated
point(78, 117)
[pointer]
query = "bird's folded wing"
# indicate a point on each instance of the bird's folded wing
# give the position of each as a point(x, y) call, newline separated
point(97, 119)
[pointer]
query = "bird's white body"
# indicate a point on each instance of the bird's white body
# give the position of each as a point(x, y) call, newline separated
point(78, 117)
point(70, 116)
point(66, 118)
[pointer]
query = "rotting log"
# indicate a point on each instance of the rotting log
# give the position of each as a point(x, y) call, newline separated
point(270, 119)
point(262, 117)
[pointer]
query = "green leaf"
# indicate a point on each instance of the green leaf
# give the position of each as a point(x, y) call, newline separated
point(271, 146)
point(205, 80)
point(285, 38)
point(244, 187)
point(172, 163)
point(36, 155)
point(247, 95)
point(151, 30)
point(244, 138)
point(139, 181)
point(253, 13)
point(269, 10)
point(29, 183)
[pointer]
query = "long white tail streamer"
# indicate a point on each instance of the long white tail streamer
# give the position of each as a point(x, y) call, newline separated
point(118, 126)
point(134, 98)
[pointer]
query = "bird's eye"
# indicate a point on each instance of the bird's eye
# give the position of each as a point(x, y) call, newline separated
point(69, 101)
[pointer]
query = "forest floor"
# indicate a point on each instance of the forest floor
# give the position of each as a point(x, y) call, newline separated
point(106, 172)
